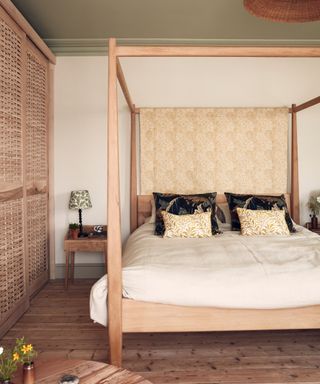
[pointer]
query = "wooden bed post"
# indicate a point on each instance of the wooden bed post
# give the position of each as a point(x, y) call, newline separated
point(295, 208)
point(133, 176)
point(133, 166)
point(114, 298)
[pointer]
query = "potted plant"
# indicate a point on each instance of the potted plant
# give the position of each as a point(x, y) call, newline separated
point(26, 354)
point(314, 206)
point(8, 364)
point(74, 230)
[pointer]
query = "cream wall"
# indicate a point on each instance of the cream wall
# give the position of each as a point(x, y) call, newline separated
point(80, 117)
point(80, 145)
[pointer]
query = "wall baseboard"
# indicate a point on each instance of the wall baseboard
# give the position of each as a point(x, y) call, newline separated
point(99, 47)
point(82, 271)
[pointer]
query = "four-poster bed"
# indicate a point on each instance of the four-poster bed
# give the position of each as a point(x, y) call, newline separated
point(126, 315)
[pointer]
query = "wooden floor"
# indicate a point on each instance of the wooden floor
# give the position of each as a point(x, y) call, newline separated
point(58, 324)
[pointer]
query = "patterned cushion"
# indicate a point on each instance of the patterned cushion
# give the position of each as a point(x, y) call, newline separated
point(261, 222)
point(183, 205)
point(256, 202)
point(196, 225)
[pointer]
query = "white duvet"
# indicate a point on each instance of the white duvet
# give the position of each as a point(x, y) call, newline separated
point(227, 270)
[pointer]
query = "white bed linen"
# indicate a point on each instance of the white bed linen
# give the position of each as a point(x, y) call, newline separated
point(227, 270)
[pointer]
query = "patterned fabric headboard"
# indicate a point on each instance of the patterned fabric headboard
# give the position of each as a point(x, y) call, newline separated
point(194, 150)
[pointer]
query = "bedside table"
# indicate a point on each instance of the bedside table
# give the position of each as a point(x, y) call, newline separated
point(315, 230)
point(82, 244)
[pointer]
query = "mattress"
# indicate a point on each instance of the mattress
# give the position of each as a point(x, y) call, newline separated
point(226, 271)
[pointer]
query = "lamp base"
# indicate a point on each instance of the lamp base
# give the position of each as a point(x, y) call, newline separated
point(81, 234)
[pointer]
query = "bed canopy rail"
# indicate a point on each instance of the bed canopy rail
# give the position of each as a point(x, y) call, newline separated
point(115, 302)
point(183, 51)
point(307, 104)
point(124, 87)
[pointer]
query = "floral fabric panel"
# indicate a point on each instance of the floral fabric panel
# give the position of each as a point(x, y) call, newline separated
point(80, 200)
point(262, 222)
point(256, 202)
point(196, 225)
point(195, 150)
point(184, 205)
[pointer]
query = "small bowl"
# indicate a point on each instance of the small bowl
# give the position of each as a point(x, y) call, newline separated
point(69, 379)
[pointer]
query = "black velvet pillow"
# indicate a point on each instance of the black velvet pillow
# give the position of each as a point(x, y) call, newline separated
point(184, 205)
point(236, 201)
point(256, 202)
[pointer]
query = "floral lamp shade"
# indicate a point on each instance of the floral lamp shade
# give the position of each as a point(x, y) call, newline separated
point(80, 200)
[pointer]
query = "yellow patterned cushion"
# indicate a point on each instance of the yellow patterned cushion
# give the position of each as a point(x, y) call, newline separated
point(262, 222)
point(196, 225)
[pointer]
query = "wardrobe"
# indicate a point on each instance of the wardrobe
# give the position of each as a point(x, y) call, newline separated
point(26, 67)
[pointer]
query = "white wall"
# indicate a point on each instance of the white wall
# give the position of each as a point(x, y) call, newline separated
point(80, 117)
point(79, 142)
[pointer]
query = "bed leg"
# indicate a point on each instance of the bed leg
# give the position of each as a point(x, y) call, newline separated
point(115, 345)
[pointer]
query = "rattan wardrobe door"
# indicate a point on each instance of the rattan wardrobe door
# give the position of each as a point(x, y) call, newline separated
point(37, 166)
point(13, 281)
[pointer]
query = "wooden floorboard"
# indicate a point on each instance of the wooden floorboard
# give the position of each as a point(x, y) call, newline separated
point(59, 326)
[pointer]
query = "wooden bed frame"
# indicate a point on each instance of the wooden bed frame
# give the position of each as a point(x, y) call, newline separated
point(126, 315)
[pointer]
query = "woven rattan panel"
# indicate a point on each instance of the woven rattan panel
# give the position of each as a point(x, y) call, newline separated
point(37, 166)
point(12, 271)
point(37, 237)
point(37, 121)
point(10, 105)
point(23, 170)
point(13, 291)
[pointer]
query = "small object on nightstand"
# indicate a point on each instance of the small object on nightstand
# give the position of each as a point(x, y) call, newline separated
point(98, 231)
point(98, 228)
point(74, 230)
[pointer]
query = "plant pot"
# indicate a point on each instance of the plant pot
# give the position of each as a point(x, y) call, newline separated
point(74, 233)
point(8, 381)
point(314, 222)
point(28, 373)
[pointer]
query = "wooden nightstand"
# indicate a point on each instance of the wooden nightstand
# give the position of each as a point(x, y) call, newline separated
point(83, 244)
point(315, 230)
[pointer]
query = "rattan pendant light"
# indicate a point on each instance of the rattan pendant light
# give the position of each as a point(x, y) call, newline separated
point(290, 11)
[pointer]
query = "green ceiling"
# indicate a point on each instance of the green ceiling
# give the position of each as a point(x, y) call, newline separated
point(89, 22)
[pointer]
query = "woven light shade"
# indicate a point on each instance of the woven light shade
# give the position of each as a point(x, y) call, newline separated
point(290, 11)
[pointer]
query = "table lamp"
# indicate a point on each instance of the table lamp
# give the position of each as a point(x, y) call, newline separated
point(80, 200)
